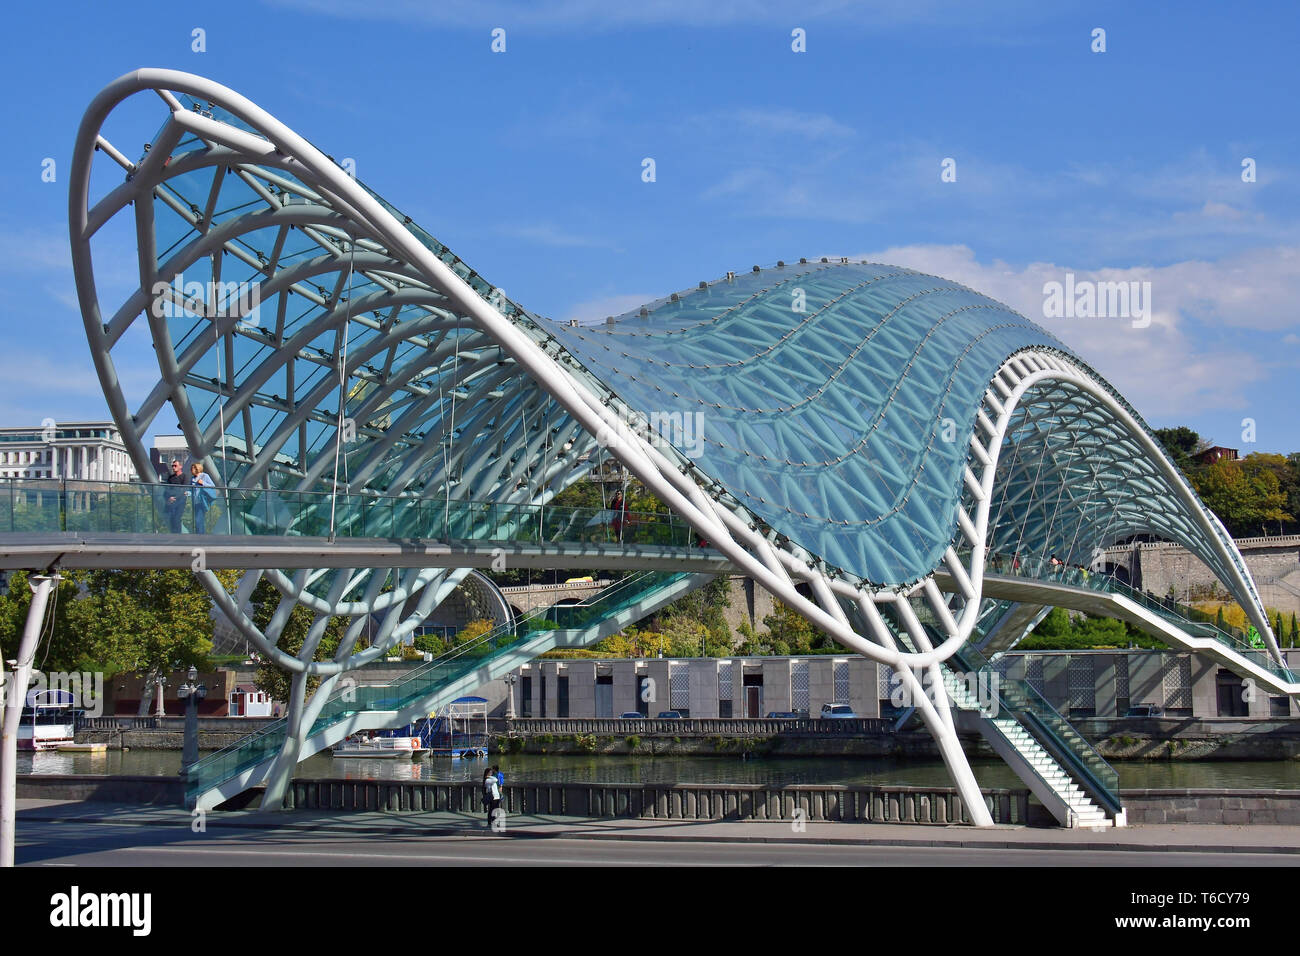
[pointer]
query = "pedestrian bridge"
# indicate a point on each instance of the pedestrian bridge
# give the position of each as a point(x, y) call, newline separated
point(89, 524)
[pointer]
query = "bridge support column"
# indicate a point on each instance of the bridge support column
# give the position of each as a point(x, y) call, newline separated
point(15, 696)
point(281, 772)
point(963, 778)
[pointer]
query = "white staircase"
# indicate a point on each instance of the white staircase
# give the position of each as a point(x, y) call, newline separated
point(1040, 771)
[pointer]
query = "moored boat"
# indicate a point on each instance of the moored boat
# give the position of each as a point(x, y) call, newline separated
point(379, 747)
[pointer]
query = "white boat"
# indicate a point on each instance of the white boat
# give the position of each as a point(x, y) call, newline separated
point(380, 747)
point(48, 720)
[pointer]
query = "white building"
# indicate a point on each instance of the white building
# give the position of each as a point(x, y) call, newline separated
point(74, 451)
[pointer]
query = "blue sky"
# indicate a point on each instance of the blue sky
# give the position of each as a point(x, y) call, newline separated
point(1123, 165)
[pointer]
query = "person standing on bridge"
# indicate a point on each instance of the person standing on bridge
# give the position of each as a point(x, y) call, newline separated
point(203, 494)
point(175, 497)
point(619, 507)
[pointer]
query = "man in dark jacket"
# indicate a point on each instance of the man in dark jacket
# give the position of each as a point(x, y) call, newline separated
point(175, 498)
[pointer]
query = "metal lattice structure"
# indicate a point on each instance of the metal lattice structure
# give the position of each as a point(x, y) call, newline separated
point(840, 431)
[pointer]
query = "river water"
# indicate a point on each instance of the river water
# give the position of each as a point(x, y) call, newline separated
point(1237, 774)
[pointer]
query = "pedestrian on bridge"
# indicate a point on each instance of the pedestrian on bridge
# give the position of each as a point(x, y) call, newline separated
point(175, 507)
point(203, 494)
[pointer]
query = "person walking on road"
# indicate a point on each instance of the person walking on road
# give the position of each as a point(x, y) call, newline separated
point(491, 794)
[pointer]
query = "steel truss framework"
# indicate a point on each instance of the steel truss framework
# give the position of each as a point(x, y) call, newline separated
point(857, 426)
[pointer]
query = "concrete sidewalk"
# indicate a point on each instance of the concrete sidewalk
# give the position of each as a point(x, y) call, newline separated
point(1169, 837)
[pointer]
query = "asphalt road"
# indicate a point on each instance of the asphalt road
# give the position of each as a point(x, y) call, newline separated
point(63, 844)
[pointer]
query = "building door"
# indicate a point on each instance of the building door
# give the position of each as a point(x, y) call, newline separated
point(605, 696)
point(753, 687)
point(1229, 691)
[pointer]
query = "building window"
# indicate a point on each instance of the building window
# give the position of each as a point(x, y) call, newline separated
point(841, 682)
point(525, 696)
point(1034, 674)
point(679, 689)
point(799, 686)
point(1177, 682)
point(1279, 706)
point(1082, 688)
point(562, 695)
point(1121, 684)
point(725, 688)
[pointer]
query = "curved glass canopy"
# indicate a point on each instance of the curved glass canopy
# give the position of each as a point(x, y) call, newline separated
point(833, 401)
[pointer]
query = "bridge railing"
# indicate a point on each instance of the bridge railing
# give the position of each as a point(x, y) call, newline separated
point(1192, 620)
point(45, 505)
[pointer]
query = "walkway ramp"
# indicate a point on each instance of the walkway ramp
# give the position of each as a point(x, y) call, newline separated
point(228, 772)
point(1181, 627)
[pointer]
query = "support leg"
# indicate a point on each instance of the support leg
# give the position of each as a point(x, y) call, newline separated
point(15, 695)
point(277, 780)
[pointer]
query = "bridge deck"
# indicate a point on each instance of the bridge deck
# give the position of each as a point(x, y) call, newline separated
point(70, 549)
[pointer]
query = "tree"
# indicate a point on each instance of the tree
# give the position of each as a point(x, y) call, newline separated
point(1246, 495)
point(61, 647)
point(1181, 443)
point(148, 620)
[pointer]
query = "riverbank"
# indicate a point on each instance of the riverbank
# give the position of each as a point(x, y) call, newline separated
point(1144, 739)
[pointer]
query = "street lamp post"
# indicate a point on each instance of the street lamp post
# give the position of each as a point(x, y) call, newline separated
point(160, 684)
point(191, 693)
point(509, 681)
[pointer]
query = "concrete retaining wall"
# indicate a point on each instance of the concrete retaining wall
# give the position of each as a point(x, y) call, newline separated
point(1212, 806)
point(93, 788)
point(928, 805)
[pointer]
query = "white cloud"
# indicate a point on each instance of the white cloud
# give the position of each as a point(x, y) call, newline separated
point(1172, 366)
point(548, 234)
point(780, 123)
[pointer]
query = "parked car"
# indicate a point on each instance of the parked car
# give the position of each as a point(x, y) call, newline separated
point(783, 715)
point(1145, 710)
point(633, 715)
point(669, 715)
point(837, 712)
